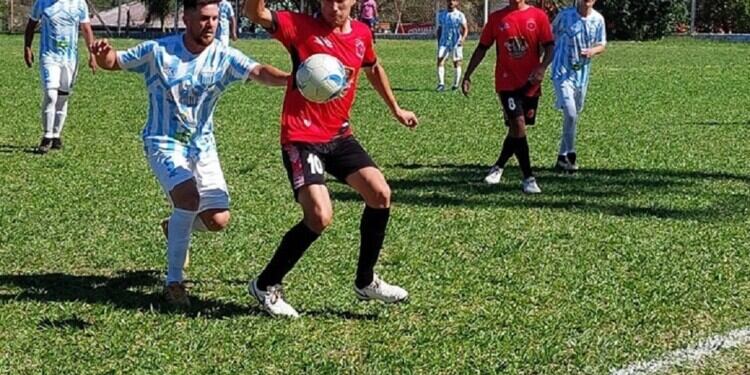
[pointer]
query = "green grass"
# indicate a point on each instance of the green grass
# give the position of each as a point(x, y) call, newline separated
point(644, 251)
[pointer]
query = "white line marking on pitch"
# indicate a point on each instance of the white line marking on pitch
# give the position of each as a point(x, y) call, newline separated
point(692, 354)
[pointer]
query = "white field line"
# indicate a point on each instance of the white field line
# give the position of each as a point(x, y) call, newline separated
point(689, 355)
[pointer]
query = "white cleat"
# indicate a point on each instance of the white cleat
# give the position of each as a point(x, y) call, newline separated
point(530, 187)
point(494, 176)
point(272, 300)
point(381, 291)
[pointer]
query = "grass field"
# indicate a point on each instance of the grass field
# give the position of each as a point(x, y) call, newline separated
point(644, 251)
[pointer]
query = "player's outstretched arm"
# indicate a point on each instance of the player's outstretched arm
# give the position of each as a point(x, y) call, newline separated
point(258, 13)
point(379, 80)
point(28, 38)
point(106, 56)
point(476, 59)
point(269, 75)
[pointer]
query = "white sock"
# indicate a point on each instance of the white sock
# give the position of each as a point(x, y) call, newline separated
point(49, 99)
point(61, 112)
point(457, 77)
point(441, 75)
point(199, 225)
point(180, 228)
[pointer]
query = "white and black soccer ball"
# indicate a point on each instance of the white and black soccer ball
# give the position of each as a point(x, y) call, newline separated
point(321, 77)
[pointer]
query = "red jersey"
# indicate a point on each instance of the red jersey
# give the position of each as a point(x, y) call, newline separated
point(519, 35)
point(303, 36)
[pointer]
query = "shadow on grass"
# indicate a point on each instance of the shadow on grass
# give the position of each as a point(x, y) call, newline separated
point(346, 315)
point(132, 290)
point(720, 123)
point(73, 322)
point(11, 149)
point(657, 193)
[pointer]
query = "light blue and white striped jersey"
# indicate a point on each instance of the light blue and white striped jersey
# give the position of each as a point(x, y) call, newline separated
point(450, 24)
point(225, 12)
point(60, 20)
point(183, 90)
point(573, 34)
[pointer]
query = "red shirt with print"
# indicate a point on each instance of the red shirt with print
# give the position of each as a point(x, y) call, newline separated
point(303, 36)
point(519, 35)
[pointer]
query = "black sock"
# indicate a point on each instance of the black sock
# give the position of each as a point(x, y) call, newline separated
point(522, 154)
point(372, 229)
point(572, 157)
point(295, 242)
point(509, 146)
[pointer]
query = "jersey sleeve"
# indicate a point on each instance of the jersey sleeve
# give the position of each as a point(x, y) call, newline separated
point(83, 16)
point(601, 33)
point(370, 58)
point(230, 10)
point(137, 59)
point(545, 30)
point(285, 26)
point(239, 67)
point(437, 19)
point(487, 39)
point(463, 19)
point(557, 24)
point(36, 10)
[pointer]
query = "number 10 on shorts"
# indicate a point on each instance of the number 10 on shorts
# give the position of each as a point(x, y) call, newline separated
point(316, 167)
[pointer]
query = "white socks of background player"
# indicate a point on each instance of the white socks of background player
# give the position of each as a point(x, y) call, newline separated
point(441, 75)
point(457, 77)
point(49, 101)
point(180, 227)
point(61, 112)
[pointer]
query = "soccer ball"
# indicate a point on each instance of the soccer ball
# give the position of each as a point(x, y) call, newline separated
point(321, 78)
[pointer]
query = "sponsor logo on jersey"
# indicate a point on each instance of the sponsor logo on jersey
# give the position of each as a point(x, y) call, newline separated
point(323, 41)
point(517, 47)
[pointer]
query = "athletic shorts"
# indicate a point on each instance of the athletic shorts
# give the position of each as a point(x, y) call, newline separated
point(517, 104)
point(58, 76)
point(306, 163)
point(568, 93)
point(172, 168)
point(456, 52)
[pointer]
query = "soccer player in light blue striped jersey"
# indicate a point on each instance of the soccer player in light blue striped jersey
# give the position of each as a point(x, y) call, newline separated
point(58, 48)
point(185, 75)
point(227, 23)
point(451, 33)
point(579, 36)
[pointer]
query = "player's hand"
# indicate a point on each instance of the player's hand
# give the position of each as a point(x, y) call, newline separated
point(587, 53)
point(92, 63)
point(537, 76)
point(28, 56)
point(234, 37)
point(466, 86)
point(100, 47)
point(407, 118)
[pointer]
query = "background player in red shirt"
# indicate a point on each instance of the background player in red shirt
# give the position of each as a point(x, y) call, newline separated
point(317, 138)
point(523, 35)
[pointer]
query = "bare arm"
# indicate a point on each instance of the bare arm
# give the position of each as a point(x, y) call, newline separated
point(464, 33)
point(596, 50)
point(258, 13)
point(538, 74)
point(476, 59)
point(233, 28)
point(269, 75)
point(28, 38)
point(379, 80)
point(106, 57)
point(88, 36)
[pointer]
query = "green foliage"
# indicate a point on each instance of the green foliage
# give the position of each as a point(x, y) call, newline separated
point(642, 20)
point(644, 251)
point(728, 16)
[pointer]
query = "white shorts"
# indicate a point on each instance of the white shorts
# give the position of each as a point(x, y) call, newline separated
point(58, 76)
point(457, 52)
point(568, 93)
point(173, 168)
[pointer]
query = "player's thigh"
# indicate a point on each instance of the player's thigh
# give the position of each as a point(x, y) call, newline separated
point(68, 75)
point(442, 54)
point(458, 55)
point(370, 183)
point(51, 73)
point(210, 181)
point(304, 164)
point(351, 164)
point(172, 169)
point(316, 206)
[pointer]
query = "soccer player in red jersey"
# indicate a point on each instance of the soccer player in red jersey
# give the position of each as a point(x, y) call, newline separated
point(522, 35)
point(317, 138)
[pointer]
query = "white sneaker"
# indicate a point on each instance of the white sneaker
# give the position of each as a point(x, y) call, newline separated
point(272, 300)
point(530, 187)
point(382, 291)
point(494, 176)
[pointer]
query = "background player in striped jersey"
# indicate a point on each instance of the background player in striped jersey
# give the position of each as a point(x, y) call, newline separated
point(317, 138)
point(523, 36)
point(580, 35)
point(227, 23)
point(185, 75)
point(451, 33)
point(58, 48)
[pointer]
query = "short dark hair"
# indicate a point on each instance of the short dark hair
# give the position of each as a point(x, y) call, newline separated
point(194, 4)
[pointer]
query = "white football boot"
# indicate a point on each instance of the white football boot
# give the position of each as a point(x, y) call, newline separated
point(381, 291)
point(272, 300)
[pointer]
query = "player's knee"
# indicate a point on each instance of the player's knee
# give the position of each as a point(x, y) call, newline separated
point(320, 219)
point(218, 221)
point(380, 197)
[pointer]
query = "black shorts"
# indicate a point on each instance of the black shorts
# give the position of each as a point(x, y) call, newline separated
point(306, 163)
point(517, 104)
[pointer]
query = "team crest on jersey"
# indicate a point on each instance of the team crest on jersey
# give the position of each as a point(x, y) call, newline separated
point(360, 47)
point(531, 25)
point(504, 26)
point(323, 41)
point(517, 47)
